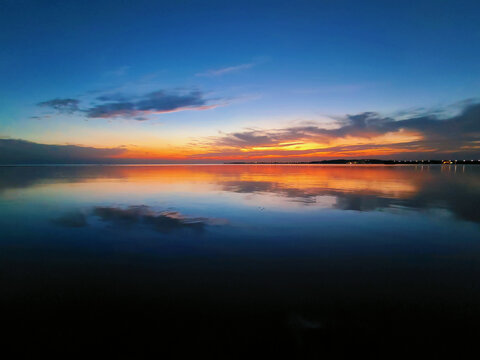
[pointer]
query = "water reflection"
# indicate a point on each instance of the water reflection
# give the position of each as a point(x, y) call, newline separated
point(305, 260)
point(360, 188)
point(163, 221)
point(72, 219)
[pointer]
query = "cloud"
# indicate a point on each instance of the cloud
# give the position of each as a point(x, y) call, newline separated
point(62, 105)
point(227, 70)
point(158, 102)
point(135, 107)
point(115, 97)
point(251, 138)
point(435, 134)
point(456, 134)
point(15, 151)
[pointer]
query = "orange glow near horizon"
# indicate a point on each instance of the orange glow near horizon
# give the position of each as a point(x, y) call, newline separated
point(350, 146)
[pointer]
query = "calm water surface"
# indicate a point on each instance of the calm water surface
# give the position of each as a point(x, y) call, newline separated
point(308, 261)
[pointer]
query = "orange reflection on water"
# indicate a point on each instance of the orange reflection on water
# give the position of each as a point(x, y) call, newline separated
point(196, 189)
point(391, 181)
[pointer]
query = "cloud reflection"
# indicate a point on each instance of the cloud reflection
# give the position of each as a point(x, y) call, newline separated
point(73, 219)
point(136, 215)
point(372, 189)
point(265, 187)
point(355, 188)
point(164, 221)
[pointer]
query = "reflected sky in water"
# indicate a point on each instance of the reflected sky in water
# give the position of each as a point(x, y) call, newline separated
point(242, 196)
point(234, 205)
point(297, 239)
point(236, 210)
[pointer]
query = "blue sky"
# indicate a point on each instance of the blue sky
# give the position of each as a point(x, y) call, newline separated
point(262, 65)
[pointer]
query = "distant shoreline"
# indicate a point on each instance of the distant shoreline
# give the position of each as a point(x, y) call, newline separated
point(362, 162)
point(319, 162)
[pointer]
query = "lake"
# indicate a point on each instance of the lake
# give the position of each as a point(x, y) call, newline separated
point(308, 261)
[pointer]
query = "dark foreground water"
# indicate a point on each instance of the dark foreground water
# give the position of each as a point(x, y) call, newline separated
point(240, 260)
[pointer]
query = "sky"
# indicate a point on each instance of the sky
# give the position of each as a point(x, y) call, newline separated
point(218, 81)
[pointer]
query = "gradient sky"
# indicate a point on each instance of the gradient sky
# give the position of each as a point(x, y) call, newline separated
point(208, 81)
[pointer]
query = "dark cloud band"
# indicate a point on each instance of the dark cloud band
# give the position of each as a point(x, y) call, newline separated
point(61, 105)
point(14, 151)
point(118, 105)
point(454, 134)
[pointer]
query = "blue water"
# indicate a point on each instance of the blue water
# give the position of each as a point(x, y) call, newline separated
point(305, 260)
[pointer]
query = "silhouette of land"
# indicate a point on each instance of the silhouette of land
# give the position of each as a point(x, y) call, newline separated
point(366, 161)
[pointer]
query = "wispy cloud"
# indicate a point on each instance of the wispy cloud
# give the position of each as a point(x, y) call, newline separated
point(227, 70)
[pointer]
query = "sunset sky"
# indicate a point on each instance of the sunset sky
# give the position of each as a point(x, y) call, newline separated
point(214, 81)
